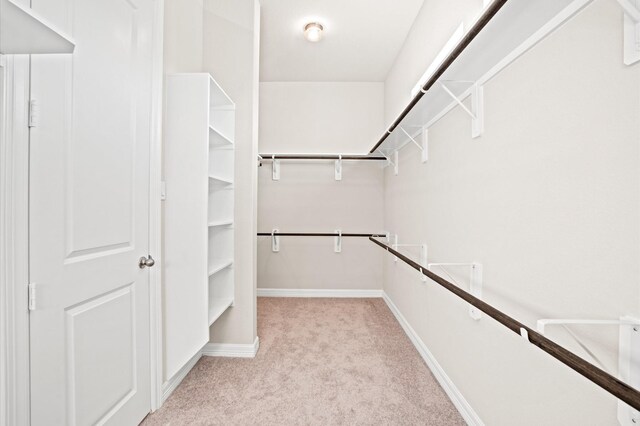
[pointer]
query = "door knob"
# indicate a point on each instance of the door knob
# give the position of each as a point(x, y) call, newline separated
point(146, 262)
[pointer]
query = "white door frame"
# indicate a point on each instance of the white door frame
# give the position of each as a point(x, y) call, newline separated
point(14, 242)
point(14, 232)
point(155, 208)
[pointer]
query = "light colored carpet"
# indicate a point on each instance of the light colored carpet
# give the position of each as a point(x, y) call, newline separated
point(321, 362)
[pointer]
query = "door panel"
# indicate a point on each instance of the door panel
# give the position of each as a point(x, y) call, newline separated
point(104, 110)
point(89, 195)
point(101, 332)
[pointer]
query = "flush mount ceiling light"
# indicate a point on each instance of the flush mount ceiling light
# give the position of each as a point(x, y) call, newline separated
point(313, 31)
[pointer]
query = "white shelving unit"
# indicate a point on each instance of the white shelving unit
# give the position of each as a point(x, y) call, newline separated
point(199, 215)
point(23, 32)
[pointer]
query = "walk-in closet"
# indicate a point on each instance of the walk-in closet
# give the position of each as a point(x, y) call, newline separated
point(319, 212)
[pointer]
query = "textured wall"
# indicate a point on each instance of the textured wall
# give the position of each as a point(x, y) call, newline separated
point(547, 200)
point(320, 118)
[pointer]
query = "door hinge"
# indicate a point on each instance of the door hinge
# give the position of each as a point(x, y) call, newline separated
point(163, 191)
point(33, 113)
point(32, 296)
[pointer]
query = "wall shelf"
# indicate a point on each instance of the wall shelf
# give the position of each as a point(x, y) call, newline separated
point(219, 267)
point(217, 139)
point(217, 224)
point(221, 180)
point(217, 308)
point(23, 32)
point(505, 32)
point(199, 213)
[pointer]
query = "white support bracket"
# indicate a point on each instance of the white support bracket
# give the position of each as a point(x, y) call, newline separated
point(629, 368)
point(475, 282)
point(477, 107)
point(421, 146)
point(275, 165)
point(628, 355)
point(423, 254)
point(631, 30)
point(391, 162)
point(275, 241)
point(425, 144)
point(338, 173)
point(395, 246)
point(395, 163)
point(337, 241)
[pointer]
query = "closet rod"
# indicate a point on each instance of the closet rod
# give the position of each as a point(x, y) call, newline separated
point(611, 384)
point(491, 11)
point(267, 157)
point(317, 234)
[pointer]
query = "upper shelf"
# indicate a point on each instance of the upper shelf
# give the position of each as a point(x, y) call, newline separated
point(24, 32)
point(219, 98)
point(496, 38)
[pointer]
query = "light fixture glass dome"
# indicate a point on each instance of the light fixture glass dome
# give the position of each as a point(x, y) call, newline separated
point(313, 31)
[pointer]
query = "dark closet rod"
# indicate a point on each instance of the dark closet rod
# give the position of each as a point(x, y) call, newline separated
point(266, 157)
point(491, 11)
point(611, 384)
point(318, 234)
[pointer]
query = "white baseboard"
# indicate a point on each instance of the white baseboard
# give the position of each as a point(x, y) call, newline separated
point(210, 349)
point(285, 292)
point(232, 350)
point(465, 409)
point(169, 386)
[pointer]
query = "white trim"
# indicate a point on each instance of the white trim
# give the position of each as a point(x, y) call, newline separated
point(210, 349)
point(232, 350)
point(553, 24)
point(156, 351)
point(286, 292)
point(456, 397)
point(169, 386)
point(14, 240)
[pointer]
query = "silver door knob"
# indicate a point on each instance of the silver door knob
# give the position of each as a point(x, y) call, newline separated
point(146, 262)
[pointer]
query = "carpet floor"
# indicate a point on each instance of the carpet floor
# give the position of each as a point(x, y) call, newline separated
point(321, 362)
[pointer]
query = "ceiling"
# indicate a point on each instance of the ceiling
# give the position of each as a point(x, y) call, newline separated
point(361, 38)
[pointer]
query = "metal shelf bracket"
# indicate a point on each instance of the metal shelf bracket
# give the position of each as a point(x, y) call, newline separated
point(475, 282)
point(423, 254)
point(477, 105)
point(628, 355)
point(275, 165)
point(423, 145)
point(337, 242)
point(338, 172)
point(275, 241)
point(631, 30)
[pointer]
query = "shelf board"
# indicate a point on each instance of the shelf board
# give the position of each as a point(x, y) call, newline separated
point(220, 223)
point(217, 308)
point(507, 34)
point(23, 32)
point(219, 267)
point(219, 97)
point(217, 139)
point(222, 180)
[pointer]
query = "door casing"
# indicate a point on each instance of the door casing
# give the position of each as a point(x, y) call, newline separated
point(14, 231)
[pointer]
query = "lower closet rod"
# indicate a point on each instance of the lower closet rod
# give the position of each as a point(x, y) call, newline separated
point(601, 378)
point(268, 157)
point(317, 234)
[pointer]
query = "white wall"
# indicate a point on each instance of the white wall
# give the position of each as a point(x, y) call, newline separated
point(320, 117)
point(548, 200)
point(231, 55)
point(183, 26)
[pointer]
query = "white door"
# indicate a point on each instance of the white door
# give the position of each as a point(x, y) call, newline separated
point(89, 209)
